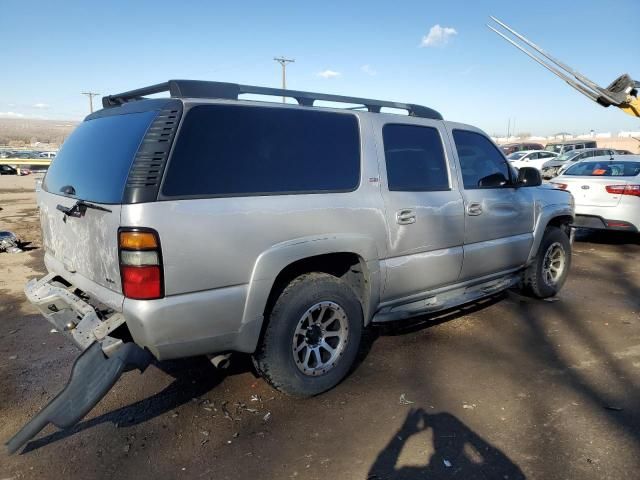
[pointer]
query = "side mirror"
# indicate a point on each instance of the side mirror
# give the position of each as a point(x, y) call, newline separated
point(529, 177)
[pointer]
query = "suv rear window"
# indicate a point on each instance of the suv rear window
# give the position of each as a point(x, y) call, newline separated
point(605, 169)
point(96, 158)
point(225, 150)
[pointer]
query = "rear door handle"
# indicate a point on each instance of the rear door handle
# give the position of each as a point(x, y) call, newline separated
point(406, 216)
point(474, 209)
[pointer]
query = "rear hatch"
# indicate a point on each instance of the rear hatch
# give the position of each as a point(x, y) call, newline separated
point(92, 167)
point(591, 191)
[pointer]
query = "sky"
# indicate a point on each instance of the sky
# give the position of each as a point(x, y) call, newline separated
point(434, 53)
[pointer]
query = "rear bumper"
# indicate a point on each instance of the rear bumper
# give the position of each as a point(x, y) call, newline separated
point(172, 327)
point(191, 324)
point(72, 316)
point(597, 222)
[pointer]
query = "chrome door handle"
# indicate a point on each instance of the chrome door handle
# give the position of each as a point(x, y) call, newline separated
point(474, 208)
point(406, 216)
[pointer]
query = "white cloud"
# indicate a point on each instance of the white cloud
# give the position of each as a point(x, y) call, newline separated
point(11, 114)
point(369, 70)
point(40, 105)
point(329, 74)
point(438, 36)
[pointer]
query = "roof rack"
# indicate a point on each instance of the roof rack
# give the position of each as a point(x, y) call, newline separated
point(231, 91)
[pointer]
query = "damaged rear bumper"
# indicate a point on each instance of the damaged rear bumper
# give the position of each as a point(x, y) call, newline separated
point(71, 315)
point(102, 362)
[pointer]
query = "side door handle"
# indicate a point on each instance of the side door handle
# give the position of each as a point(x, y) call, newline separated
point(474, 209)
point(406, 216)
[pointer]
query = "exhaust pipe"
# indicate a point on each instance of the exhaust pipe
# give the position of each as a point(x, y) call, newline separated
point(221, 361)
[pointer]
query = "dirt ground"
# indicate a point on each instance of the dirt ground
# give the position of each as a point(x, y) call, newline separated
point(509, 388)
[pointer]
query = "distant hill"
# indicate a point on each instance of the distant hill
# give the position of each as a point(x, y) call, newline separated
point(19, 132)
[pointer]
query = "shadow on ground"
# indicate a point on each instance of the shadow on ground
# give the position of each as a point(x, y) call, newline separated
point(458, 452)
point(193, 378)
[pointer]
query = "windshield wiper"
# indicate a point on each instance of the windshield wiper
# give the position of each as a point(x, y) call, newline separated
point(79, 208)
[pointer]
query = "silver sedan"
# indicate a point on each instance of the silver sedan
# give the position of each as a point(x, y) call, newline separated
point(606, 192)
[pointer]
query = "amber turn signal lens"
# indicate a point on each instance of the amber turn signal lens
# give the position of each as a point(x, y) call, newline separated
point(138, 240)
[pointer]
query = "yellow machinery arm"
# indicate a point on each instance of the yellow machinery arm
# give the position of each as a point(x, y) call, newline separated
point(632, 107)
point(622, 93)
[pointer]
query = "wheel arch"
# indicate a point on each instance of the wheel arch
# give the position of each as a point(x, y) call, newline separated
point(560, 216)
point(353, 258)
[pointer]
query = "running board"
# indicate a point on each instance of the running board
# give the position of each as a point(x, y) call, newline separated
point(448, 299)
point(92, 376)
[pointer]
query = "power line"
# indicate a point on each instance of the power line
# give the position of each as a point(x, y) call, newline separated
point(283, 62)
point(90, 95)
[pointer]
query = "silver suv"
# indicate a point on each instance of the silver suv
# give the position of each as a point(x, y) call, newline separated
point(204, 224)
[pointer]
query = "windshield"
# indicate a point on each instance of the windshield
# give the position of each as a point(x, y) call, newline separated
point(516, 155)
point(96, 158)
point(605, 169)
point(553, 147)
point(565, 156)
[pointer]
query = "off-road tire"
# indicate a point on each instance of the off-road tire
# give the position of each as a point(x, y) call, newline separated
point(274, 359)
point(534, 283)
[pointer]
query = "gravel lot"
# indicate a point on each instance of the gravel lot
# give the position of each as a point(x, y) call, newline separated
point(509, 388)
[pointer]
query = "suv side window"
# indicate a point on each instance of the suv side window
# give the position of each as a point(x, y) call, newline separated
point(415, 158)
point(482, 164)
point(232, 150)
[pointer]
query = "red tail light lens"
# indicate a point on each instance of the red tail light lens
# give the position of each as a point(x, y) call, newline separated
point(616, 224)
point(140, 264)
point(633, 190)
point(141, 283)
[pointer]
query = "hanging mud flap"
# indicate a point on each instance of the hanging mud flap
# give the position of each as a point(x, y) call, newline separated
point(92, 376)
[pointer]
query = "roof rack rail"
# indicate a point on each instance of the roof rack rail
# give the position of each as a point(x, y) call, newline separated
point(231, 91)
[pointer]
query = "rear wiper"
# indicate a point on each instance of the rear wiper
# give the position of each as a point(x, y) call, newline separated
point(77, 209)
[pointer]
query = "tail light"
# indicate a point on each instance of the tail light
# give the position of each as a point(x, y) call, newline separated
point(618, 224)
point(633, 190)
point(561, 186)
point(140, 263)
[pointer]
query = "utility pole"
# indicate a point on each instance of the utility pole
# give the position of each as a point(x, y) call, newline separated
point(90, 95)
point(283, 62)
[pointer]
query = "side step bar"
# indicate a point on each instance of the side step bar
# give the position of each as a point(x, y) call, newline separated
point(92, 376)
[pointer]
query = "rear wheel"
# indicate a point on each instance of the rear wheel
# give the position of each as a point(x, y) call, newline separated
point(548, 272)
point(312, 336)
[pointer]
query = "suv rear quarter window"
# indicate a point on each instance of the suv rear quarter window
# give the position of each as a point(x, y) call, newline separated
point(231, 150)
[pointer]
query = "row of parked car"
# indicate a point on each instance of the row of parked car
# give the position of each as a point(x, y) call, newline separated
point(555, 147)
point(555, 158)
point(27, 154)
point(604, 182)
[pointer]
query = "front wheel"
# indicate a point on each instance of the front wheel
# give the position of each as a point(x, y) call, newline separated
point(312, 336)
point(546, 275)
